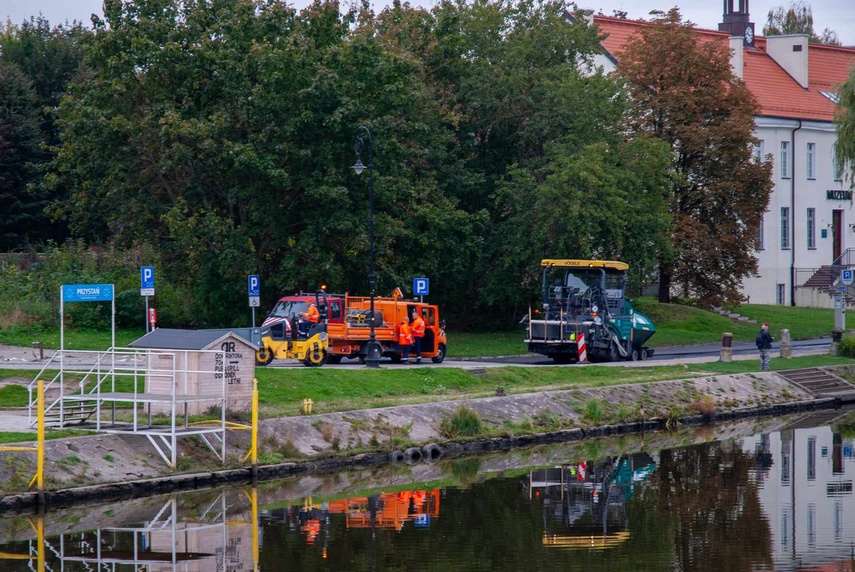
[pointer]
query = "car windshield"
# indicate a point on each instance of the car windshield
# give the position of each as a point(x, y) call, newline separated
point(289, 308)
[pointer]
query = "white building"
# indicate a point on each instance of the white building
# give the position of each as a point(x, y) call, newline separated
point(810, 224)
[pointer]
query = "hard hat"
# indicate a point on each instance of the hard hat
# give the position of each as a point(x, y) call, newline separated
point(312, 304)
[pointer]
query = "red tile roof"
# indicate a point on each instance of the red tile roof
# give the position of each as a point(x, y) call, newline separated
point(777, 93)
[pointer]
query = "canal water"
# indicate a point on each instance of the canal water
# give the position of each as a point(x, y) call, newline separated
point(761, 494)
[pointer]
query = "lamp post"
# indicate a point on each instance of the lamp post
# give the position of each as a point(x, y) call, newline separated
point(363, 139)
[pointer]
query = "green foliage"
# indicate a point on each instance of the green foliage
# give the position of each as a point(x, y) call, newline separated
point(797, 19)
point(846, 347)
point(845, 120)
point(593, 411)
point(463, 422)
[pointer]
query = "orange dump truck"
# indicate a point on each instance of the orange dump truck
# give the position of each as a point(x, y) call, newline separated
point(347, 320)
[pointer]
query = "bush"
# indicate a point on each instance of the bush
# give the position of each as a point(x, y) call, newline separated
point(846, 347)
point(462, 423)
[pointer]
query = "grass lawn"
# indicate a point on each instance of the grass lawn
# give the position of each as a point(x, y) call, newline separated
point(281, 391)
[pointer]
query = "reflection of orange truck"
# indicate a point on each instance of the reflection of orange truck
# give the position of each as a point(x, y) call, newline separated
point(388, 510)
point(348, 324)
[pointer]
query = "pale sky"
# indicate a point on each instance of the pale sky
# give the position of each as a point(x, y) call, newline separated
point(839, 15)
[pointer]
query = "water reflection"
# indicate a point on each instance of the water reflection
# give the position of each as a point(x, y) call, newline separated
point(769, 494)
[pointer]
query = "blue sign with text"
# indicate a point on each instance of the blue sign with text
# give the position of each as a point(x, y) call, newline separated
point(87, 292)
point(421, 286)
point(254, 285)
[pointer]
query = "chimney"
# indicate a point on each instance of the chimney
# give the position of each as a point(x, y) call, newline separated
point(737, 55)
point(791, 53)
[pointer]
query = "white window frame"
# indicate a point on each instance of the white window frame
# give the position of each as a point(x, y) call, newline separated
point(785, 228)
point(781, 294)
point(785, 159)
point(836, 167)
point(759, 156)
point(761, 231)
point(811, 161)
point(811, 229)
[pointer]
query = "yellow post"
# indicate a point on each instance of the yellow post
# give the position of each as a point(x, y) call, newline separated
point(254, 445)
point(40, 453)
point(255, 529)
point(307, 406)
point(41, 540)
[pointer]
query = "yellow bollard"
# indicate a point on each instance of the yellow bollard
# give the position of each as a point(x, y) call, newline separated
point(307, 406)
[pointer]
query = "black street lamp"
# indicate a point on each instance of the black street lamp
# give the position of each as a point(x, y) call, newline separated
point(363, 138)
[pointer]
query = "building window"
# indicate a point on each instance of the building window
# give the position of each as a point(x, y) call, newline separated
point(811, 458)
point(781, 299)
point(758, 151)
point(811, 160)
point(761, 230)
point(811, 229)
point(836, 167)
point(785, 228)
point(785, 159)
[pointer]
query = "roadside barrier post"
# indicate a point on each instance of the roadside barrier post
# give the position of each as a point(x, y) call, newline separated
point(786, 346)
point(582, 350)
point(726, 352)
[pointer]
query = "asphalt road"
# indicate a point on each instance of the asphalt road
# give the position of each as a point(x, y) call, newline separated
point(662, 356)
point(27, 358)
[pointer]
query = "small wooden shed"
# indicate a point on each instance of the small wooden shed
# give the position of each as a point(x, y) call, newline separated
point(196, 362)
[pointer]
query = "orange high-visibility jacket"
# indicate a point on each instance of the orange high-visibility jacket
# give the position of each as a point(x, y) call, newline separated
point(313, 315)
point(405, 336)
point(418, 327)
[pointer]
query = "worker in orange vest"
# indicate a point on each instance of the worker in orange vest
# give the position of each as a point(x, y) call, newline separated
point(405, 340)
point(311, 317)
point(418, 328)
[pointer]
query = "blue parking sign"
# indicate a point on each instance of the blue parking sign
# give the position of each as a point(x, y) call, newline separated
point(421, 286)
point(847, 275)
point(254, 285)
point(147, 281)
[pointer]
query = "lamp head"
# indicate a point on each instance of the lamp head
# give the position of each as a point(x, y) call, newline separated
point(358, 167)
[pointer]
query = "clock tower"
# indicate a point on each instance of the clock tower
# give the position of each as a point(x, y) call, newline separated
point(736, 20)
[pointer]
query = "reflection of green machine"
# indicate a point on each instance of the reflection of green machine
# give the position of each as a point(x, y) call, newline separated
point(583, 300)
point(584, 504)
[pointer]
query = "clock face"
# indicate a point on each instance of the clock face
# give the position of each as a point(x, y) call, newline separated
point(749, 34)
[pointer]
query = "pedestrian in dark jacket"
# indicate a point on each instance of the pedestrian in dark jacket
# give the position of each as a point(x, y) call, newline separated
point(764, 344)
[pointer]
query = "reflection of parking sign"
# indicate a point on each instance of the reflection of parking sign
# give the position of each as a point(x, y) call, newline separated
point(422, 521)
point(847, 276)
point(421, 286)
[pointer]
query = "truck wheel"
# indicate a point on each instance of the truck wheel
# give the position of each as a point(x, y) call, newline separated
point(263, 356)
point(614, 353)
point(635, 356)
point(562, 358)
point(315, 359)
point(644, 354)
point(395, 358)
point(334, 359)
point(440, 354)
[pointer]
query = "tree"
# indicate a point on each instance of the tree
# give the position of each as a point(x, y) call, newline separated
point(19, 153)
point(797, 19)
point(845, 119)
point(50, 58)
point(683, 92)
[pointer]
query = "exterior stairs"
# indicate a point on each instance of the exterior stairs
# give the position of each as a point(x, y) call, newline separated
point(821, 383)
point(76, 414)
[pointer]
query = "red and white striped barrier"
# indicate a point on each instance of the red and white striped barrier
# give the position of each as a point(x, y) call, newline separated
point(581, 349)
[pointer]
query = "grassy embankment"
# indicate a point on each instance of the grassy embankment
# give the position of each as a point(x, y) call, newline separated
point(283, 389)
